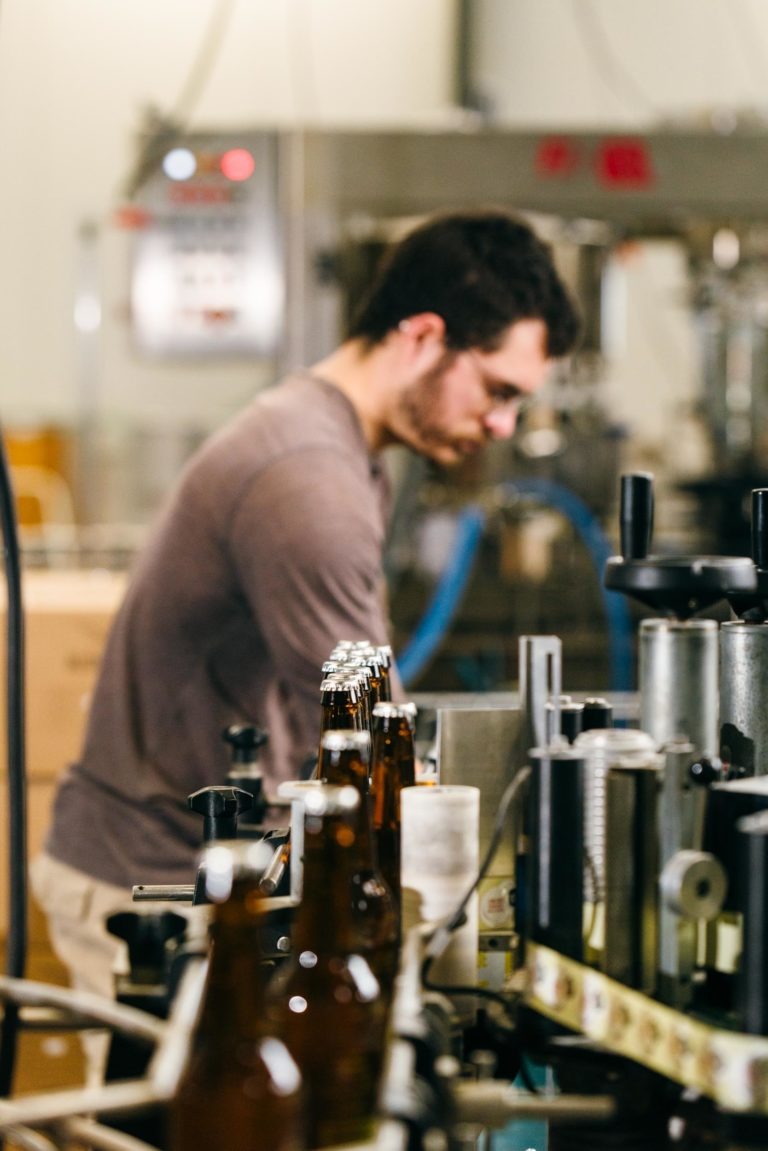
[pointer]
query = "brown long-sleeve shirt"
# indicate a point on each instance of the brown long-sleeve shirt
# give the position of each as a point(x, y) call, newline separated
point(268, 552)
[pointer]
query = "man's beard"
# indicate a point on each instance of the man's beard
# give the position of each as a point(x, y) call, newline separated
point(419, 404)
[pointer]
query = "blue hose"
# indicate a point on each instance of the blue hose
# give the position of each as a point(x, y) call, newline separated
point(447, 596)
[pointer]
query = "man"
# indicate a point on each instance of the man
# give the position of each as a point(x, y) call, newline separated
point(269, 551)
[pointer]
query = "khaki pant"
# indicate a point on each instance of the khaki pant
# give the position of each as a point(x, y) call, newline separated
point(76, 907)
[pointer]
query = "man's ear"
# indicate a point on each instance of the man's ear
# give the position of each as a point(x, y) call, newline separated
point(425, 331)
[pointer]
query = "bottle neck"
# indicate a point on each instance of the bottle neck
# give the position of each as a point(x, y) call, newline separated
point(340, 712)
point(393, 767)
point(384, 769)
point(406, 753)
point(344, 768)
point(234, 997)
point(324, 923)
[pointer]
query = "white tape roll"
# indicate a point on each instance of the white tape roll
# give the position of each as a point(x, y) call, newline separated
point(439, 862)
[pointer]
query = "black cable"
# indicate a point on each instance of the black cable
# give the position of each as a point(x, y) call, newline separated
point(460, 989)
point(16, 941)
point(596, 893)
point(164, 130)
point(200, 72)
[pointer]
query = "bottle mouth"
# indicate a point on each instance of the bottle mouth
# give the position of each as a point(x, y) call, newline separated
point(228, 859)
point(320, 798)
point(344, 739)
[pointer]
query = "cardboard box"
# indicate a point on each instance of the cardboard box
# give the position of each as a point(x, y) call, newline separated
point(40, 794)
point(47, 1060)
point(67, 615)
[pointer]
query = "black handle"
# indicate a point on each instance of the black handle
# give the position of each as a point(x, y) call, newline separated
point(245, 740)
point(220, 807)
point(146, 934)
point(636, 515)
point(760, 528)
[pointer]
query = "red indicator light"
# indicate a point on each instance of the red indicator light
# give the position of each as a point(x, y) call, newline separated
point(131, 217)
point(199, 194)
point(623, 163)
point(557, 156)
point(237, 164)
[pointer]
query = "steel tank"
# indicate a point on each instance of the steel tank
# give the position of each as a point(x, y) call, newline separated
point(743, 714)
point(678, 681)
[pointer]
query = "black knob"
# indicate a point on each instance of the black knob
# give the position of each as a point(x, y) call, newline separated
point(705, 771)
point(636, 515)
point(597, 713)
point(146, 934)
point(245, 740)
point(571, 719)
point(254, 784)
point(760, 528)
point(220, 807)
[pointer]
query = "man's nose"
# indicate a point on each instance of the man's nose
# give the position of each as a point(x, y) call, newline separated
point(501, 422)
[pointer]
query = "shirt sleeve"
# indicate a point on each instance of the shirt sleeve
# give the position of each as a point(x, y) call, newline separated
point(307, 539)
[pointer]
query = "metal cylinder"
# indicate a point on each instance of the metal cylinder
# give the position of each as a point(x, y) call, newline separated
point(631, 870)
point(752, 983)
point(678, 680)
point(726, 804)
point(743, 714)
point(555, 901)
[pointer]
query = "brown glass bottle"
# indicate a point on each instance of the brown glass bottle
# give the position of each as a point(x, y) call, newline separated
point(339, 703)
point(339, 708)
point(345, 759)
point(360, 673)
point(384, 653)
point(392, 769)
point(241, 1087)
point(368, 659)
point(325, 1001)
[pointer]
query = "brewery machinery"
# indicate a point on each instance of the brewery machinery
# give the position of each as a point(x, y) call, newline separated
point(621, 986)
point(315, 211)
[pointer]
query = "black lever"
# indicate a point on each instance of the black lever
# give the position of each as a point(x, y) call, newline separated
point(636, 515)
point(753, 605)
point(760, 528)
point(675, 585)
point(245, 741)
point(220, 807)
point(245, 773)
point(146, 934)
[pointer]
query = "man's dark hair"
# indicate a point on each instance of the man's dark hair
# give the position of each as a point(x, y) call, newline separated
point(480, 271)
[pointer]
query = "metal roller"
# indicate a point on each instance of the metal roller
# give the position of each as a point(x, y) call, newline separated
point(693, 885)
point(678, 679)
point(743, 714)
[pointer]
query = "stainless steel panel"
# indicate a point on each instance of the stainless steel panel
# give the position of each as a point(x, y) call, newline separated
point(479, 747)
